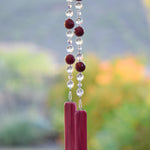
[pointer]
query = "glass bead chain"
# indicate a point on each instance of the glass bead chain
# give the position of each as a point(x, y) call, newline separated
point(69, 24)
point(80, 67)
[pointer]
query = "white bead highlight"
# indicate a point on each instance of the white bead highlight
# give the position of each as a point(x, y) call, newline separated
point(70, 49)
point(69, 13)
point(80, 92)
point(78, 5)
point(70, 84)
point(70, 69)
point(79, 21)
point(80, 76)
point(69, 34)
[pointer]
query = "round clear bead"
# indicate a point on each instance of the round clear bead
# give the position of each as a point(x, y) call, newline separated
point(79, 41)
point(69, 0)
point(79, 56)
point(79, 84)
point(78, 5)
point(79, 21)
point(70, 69)
point(70, 84)
point(69, 13)
point(80, 76)
point(79, 13)
point(69, 6)
point(70, 49)
point(80, 92)
point(69, 34)
point(69, 41)
point(70, 76)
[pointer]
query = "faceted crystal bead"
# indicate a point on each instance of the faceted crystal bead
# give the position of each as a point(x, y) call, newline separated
point(69, 34)
point(70, 76)
point(69, 13)
point(69, 41)
point(80, 92)
point(70, 96)
point(69, 69)
point(79, 84)
point(78, 5)
point(70, 84)
point(70, 49)
point(69, 6)
point(79, 56)
point(79, 49)
point(80, 104)
point(79, 13)
point(80, 76)
point(79, 41)
point(79, 21)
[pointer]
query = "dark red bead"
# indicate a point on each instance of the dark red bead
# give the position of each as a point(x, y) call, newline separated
point(69, 23)
point(78, 31)
point(80, 66)
point(70, 59)
point(78, 0)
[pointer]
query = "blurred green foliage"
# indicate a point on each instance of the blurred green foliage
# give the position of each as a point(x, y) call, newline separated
point(20, 132)
point(24, 81)
point(116, 99)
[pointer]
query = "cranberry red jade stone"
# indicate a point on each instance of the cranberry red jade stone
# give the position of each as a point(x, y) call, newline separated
point(78, 31)
point(80, 66)
point(70, 59)
point(69, 23)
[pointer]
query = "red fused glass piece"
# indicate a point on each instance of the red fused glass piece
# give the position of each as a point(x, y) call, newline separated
point(78, 31)
point(70, 59)
point(69, 23)
point(80, 66)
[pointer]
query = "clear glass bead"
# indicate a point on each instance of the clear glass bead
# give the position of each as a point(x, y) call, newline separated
point(80, 76)
point(80, 92)
point(79, 56)
point(69, 6)
point(70, 76)
point(69, 34)
point(80, 104)
point(69, 13)
point(79, 13)
point(79, 84)
point(69, 41)
point(69, 0)
point(79, 41)
point(70, 84)
point(69, 69)
point(70, 96)
point(79, 21)
point(70, 49)
point(78, 5)
point(79, 49)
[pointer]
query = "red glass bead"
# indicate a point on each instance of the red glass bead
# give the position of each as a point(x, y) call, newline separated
point(70, 59)
point(78, 31)
point(78, 0)
point(80, 66)
point(69, 23)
